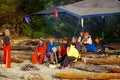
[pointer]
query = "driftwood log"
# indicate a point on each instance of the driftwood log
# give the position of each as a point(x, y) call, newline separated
point(23, 56)
point(90, 67)
point(112, 51)
point(25, 47)
point(19, 58)
point(3, 76)
point(102, 61)
point(22, 52)
point(90, 76)
point(96, 68)
point(91, 54)
point(113, 68)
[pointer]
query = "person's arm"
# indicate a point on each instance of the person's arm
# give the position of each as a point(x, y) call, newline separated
point(48, 47)
point(88, 41)
point(79, 39)
point(6, 40)
point(44, 47)
point(37, 49)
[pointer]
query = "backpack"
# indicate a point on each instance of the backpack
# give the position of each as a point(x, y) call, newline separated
point(91, 48)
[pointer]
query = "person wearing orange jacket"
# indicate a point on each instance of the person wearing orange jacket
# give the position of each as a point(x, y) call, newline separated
point(6, 49)
point(38, 55)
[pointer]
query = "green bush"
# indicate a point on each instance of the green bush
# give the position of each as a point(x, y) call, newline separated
point(27, 31)
point(39, 34)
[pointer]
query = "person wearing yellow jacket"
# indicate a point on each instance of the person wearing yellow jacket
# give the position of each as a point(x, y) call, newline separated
point(72, 54)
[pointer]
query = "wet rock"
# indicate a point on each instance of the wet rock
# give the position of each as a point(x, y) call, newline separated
point(32, 76)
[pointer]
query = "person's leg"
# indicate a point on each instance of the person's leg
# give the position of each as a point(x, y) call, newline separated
point(68, 60)
point(46, 56)
point(52, 57)
point(8, 57)
point(62, 59)
point(34, 58)
point(4, 55)
point(41, 58)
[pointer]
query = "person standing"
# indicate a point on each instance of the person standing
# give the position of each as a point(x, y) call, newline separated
point(39, 52)
point(6, 49)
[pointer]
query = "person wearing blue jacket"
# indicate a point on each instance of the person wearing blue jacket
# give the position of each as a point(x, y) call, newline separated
point(51, 49)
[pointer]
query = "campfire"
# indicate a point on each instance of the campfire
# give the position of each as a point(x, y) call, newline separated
point(29, 67)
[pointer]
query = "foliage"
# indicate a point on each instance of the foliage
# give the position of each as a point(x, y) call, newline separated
point(26, 30)
point(39, 34)
point(12, 14)
point(6, 26)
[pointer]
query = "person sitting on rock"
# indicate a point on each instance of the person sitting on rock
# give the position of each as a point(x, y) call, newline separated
point(72, 55)
point(63, 50)
point(86, 41)
point(100, 44)
point(76, 43)
point(39, 52)
point(51, 51)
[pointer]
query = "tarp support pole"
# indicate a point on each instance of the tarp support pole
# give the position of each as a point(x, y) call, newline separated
point(82, 23)
point(76, 28)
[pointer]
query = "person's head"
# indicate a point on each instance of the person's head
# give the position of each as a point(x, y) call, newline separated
point(7, 32)
point(51, 40)
point(41, 40)
point(74, 39)
point(86, 34)
point(81, 33)
point(97, 40)
point(65, 40)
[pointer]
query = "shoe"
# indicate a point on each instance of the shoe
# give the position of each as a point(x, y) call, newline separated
point(64, 68)
point(46, 63)
point(52, 62)
point(60, 67)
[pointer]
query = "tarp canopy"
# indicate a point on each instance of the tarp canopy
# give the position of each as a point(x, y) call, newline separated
point(48, 11)
point(87, 8)
point(91, 8)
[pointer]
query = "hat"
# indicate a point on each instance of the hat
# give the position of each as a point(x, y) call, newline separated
point(41, 39)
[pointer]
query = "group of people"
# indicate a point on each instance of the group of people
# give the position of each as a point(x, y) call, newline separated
point(48, 52)
point(87, 44)
point(68, 52)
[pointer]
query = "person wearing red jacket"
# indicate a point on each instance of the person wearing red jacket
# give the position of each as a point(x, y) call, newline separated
point(6, 49)
point(38, 55)
point(63, 50)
